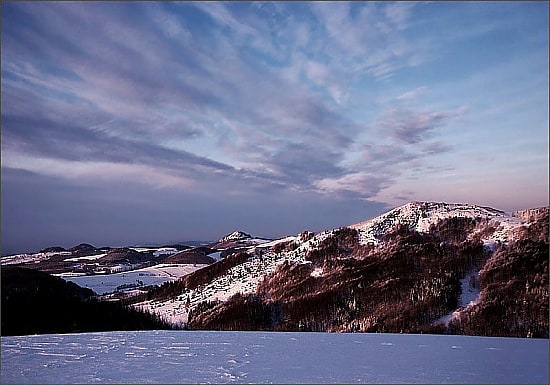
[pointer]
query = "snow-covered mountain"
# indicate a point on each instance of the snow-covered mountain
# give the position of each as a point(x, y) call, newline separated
point(493, 228)
point(412, 269)
point(419, 216)
point(235, 236)
point(237, 240)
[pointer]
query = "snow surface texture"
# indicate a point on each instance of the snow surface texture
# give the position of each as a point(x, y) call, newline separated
point(262, 357)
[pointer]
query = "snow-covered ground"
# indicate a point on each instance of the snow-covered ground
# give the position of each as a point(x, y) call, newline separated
point(263, 357)
point(216, 256)
point(156, 250)
point(243, 278)
point(153, 275)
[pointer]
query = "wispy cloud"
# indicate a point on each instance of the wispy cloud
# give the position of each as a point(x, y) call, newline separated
point(412, 127)
point(128, 86)
point(322, 98)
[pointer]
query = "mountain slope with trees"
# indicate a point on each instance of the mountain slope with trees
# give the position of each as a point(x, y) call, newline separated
point(406, 280)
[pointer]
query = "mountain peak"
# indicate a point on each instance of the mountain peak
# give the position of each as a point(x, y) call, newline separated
point(419, 216)
point(235, 236)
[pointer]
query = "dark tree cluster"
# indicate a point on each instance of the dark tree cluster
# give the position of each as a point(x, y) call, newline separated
point(340, 244)
point(125, 255)
point(34, 302)
point(514, 282)
point(240, 312)
point(454, 229)
point(515, 294)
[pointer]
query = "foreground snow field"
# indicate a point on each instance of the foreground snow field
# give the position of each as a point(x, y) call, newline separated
point(263, 357)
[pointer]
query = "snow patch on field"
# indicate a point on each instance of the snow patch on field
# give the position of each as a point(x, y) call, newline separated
point(216, 256)
point(86, 258)
point(317, 272)
point(278, 241)
point(27, 258)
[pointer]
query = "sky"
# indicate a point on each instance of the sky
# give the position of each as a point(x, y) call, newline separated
point(126, 123)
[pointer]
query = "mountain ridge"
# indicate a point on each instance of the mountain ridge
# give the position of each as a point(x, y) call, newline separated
point(420, 267)
point(237, 235)
point(465, 236)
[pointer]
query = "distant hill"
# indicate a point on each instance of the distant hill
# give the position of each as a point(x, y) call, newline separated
point(235, 241)
point(197, 255)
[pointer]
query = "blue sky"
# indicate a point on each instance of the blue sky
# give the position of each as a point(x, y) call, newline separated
point(157, 122)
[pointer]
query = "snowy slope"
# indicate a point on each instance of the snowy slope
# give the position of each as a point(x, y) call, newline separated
point(260, 357)
point(246, 277)
point(243, 278)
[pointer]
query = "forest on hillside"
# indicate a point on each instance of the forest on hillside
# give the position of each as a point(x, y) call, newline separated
point(404, 287)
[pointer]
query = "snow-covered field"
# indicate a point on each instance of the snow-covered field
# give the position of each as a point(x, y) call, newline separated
point(154, 275)
point(263, 357)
